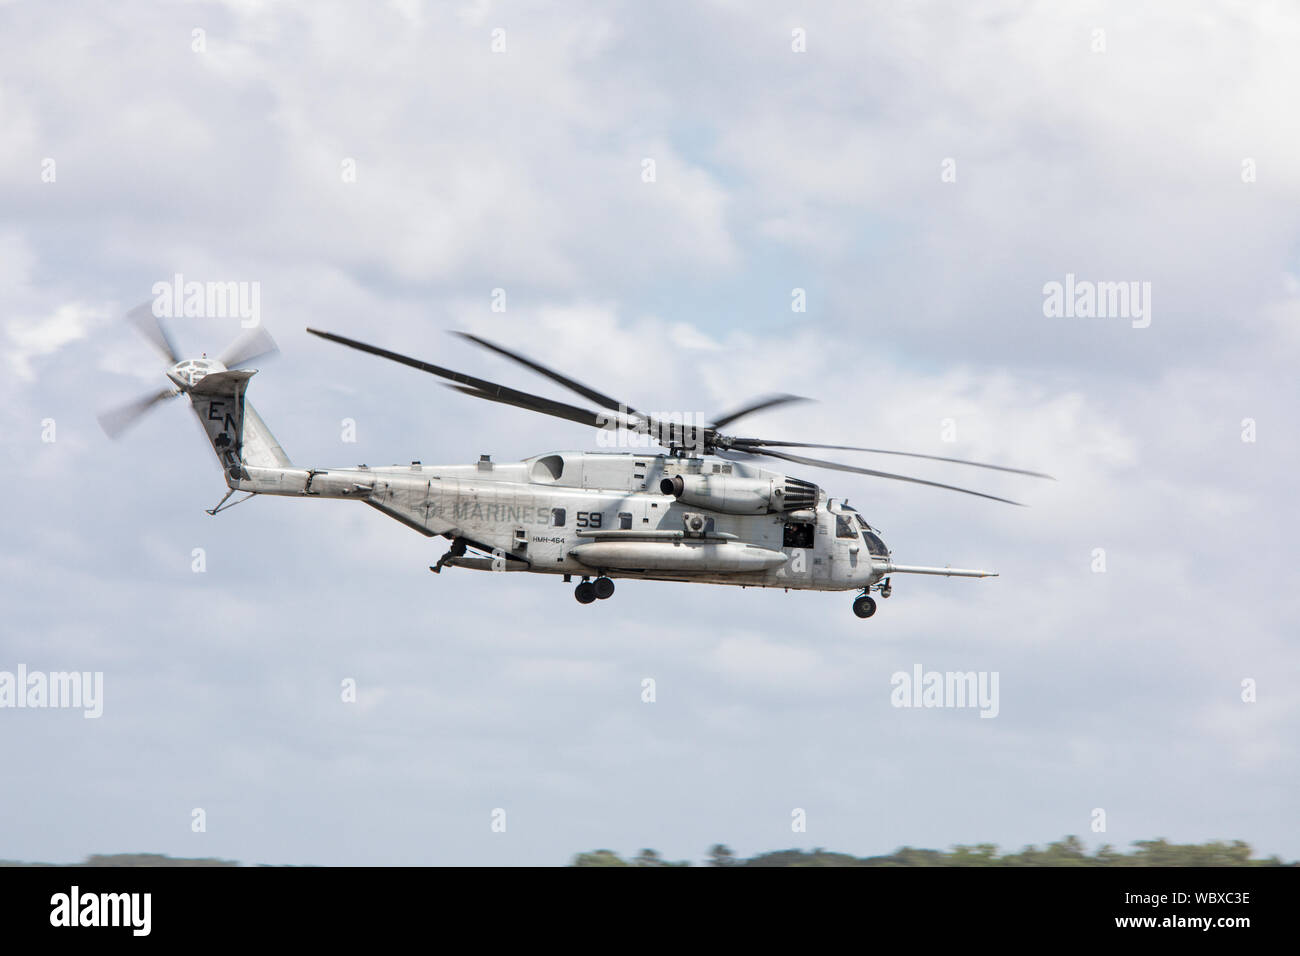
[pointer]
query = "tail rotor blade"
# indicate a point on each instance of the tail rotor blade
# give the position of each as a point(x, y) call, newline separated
point(249, 347)
point(118, 420)
point(148, 325)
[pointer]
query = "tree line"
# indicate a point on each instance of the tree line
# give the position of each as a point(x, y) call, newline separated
point(1067, 852)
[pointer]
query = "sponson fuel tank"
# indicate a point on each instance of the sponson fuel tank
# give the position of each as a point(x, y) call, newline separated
point(685, 554)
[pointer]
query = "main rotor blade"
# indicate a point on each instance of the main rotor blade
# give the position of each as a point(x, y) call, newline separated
point(249, 347)
point(586, 391)
point(117, 420)
point(819, 463)
point(546, 406)
point(734, 454)
point(479, 387)
point(770, 401)
point(148, 325)
point(753, 443)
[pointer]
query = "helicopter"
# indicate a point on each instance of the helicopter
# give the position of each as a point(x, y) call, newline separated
point(689, 503)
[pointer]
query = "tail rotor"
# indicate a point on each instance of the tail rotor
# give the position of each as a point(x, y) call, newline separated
point(149, 326)
point(252, 345)
point(116, 421)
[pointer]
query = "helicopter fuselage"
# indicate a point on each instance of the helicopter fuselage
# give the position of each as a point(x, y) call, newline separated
point(615, 514)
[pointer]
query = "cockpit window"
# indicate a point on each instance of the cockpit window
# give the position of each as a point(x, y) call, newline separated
point(874, 544)
point(844, 527)
point(862, 522)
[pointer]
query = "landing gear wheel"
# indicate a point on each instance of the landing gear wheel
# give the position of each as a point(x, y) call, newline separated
point(864, 606)
point(604, 587)
point(585, 593)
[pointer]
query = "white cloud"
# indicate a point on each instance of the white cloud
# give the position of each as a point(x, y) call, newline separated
point(30, 339)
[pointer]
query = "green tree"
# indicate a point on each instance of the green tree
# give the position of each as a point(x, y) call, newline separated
point(982, 854)
point(1069, 851)
point(720, 855)
point(599, 858)
point(652, 858)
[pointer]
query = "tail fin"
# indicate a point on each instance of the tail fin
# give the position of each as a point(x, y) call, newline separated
point(238, 435)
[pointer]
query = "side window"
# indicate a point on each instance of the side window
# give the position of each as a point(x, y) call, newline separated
point(798, 534)
point(844, 527)
point(557, 517)
point(625, 520)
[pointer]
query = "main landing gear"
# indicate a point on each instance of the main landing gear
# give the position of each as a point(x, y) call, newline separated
point(864, 605)
point(588, 591)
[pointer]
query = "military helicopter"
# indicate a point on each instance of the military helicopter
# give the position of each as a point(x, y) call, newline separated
point(699, 509)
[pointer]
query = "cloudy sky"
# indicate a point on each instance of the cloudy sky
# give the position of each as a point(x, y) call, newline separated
point(920, 170)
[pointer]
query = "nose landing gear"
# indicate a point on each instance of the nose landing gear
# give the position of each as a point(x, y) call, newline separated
point(865, 605)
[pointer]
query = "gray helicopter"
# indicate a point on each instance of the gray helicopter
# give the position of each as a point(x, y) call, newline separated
point(699, 509)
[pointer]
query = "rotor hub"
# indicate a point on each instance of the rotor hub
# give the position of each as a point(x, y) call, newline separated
point(188, 373)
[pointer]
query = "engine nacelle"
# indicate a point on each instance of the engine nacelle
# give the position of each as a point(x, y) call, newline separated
point(728, 494)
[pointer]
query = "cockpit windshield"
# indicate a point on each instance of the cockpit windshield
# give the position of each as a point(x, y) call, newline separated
point(874, 544)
